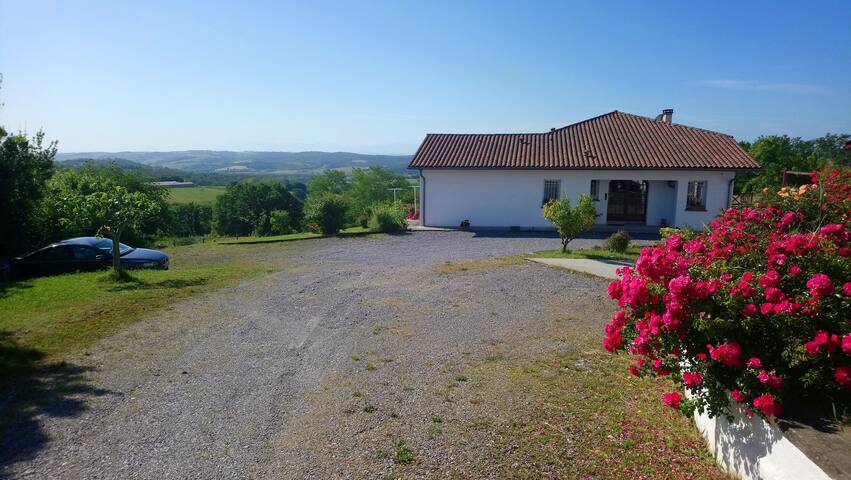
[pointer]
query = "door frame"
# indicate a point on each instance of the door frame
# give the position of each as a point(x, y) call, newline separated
point(645, 186)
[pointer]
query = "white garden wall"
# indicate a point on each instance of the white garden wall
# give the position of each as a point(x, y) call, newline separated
point(755, 449)
point(512, 198)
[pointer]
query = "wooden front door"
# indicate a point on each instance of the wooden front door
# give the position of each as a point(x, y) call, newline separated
point(627, 202)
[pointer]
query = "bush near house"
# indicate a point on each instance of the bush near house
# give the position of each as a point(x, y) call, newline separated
point(387, 218)
point(684, 233)
point(618, 241)
point(754, 309)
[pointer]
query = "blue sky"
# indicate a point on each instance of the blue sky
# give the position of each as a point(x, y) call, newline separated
point(375, 77)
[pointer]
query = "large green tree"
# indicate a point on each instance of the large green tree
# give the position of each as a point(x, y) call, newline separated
point(329, 181)
point(247, 208)
point(779, 153)
point(372, 185)
point(70, 184)
point(25, 167)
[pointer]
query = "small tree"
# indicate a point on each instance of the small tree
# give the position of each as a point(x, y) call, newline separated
point(569, 221)
point(113, 210)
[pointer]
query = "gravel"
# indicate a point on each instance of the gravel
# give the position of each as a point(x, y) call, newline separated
point(321, 370)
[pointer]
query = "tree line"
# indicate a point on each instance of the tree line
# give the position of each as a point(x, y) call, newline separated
point(41, 202)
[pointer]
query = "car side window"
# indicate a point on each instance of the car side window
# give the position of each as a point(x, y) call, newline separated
point(57, 253)
point(85, 253)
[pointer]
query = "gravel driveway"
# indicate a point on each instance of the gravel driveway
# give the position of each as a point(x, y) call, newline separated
point(324, 369)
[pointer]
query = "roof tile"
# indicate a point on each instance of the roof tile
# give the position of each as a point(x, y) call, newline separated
point(613, 140)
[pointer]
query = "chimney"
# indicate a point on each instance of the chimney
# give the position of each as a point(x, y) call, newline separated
point(666, 116)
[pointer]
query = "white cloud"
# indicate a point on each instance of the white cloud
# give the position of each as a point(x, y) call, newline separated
point(796, 88)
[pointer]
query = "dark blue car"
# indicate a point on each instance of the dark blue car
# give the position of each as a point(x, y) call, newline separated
point(84, 254)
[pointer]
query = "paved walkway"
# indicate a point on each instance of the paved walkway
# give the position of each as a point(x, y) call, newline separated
point(598, 268)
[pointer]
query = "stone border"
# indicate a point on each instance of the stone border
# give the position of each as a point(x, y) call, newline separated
point(755, 449)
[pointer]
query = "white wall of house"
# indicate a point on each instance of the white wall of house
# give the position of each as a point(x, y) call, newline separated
point(512, 198)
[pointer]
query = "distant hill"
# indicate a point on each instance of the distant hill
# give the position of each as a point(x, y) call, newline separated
point(295, 164)
point(159, 174)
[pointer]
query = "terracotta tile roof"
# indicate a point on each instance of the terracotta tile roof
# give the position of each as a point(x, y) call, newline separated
point(613, 140)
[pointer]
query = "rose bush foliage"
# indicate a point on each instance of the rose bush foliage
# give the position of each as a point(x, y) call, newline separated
point(755, 309)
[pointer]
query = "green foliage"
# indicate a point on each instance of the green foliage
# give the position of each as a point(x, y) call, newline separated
point(404, 455)
point(570, 221)
point(618, 241)
point(189, 219)
point(112, 209)
point(25, 167)
point(327, 212)
point(329, 181)
point(777, 153)
point(68, 185)
point(281, 222)
point(686, 233)
point(387, 218)
point(246, 208)
point(370, 186)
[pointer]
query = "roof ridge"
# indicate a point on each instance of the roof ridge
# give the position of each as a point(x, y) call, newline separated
point(587, 120)
point(532, 133)
point(650, 119)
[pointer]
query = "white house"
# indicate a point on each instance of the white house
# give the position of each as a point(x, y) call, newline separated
point(639, 170)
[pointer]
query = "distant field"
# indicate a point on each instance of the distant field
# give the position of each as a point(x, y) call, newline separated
point(204, 195)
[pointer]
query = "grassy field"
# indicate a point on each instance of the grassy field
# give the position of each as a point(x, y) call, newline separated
point(204, 195)
point(595, 253)
point(43, 318)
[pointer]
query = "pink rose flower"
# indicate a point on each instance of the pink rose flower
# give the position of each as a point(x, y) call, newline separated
point(820, 285)
point(672, 399)
point(748, 310)
point(842, 375)
point(692, 380)
point(767, 404)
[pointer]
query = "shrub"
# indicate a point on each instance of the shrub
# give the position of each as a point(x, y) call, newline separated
point(387, 218)
point(754, 309)
point(618, 241)
point(281, 222)
point(685, 233)
point(327, 212)
point(570, 221)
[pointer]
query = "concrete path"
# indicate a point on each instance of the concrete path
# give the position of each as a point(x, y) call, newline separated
point(598, 268)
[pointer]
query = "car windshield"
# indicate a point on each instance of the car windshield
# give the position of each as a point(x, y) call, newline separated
point(105, 244)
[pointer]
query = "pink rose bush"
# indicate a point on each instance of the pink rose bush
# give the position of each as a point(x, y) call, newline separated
point(753, 311)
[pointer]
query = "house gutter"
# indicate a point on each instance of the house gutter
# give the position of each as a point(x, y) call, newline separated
point(422, 197)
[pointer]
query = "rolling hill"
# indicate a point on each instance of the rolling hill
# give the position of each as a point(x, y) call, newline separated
point(275, 163)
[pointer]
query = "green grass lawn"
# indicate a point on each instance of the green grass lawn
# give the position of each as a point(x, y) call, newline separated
point(43, 318)
point(290, 237)
point(595, 253)
point(203, 195)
